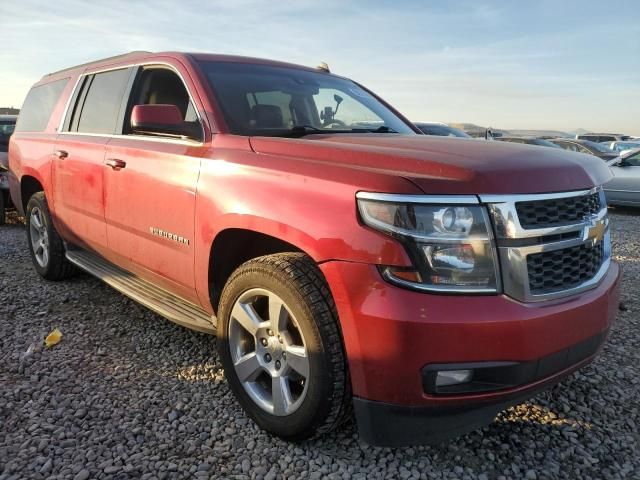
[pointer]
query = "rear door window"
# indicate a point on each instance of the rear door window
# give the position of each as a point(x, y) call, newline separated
point(98, 103)
point(38, 106)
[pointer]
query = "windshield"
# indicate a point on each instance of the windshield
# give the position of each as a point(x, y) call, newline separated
point(596, 146)
point(278, 101)
point(441, 130)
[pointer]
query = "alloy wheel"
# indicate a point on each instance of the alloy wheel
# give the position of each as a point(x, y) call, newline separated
point(39, 237)
point(268, 352)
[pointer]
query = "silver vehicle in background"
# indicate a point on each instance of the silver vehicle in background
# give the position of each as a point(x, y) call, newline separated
point(7, 125)
point(603, 137)
point(622, 146)
point(624, 189)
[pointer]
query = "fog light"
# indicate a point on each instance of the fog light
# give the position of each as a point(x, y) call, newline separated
point(453, 377)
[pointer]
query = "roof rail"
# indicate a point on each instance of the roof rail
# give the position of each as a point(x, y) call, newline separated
point(116, 57)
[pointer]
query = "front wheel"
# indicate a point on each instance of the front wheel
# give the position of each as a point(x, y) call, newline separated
point(281, 347)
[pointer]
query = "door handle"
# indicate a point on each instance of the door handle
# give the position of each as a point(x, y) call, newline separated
point(61, 154)
point(115, 163)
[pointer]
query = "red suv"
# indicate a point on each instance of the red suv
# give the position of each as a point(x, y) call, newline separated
point(343, 259)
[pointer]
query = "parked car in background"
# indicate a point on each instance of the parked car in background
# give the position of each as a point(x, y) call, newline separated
point(622, 146)
point(585, 146)
point(528, 141)
point(602, 137)
point(624, 189)
point(7, 125)
point(440, 130)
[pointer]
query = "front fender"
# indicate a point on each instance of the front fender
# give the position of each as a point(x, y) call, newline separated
point(315, 213)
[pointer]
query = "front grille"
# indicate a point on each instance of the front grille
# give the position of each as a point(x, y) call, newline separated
point(563, 269)
point(557, 211)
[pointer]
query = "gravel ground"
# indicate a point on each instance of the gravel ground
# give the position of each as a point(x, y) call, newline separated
point(127, 394)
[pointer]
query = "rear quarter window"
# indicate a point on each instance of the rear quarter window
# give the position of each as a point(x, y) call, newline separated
point(38, 106)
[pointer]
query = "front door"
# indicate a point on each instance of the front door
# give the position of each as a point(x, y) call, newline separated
point(150, 190)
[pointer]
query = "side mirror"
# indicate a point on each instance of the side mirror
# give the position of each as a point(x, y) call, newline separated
point(161, 119)
point(618, 162)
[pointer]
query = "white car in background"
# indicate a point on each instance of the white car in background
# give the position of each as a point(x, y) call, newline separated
point(624, 189)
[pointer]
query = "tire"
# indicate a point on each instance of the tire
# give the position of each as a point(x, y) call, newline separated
point(319, 402)
point(3, 211)
point(45, 245)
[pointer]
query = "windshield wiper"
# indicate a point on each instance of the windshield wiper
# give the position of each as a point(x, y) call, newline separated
point(383, 129)
point(380, 129)
point(301, 130)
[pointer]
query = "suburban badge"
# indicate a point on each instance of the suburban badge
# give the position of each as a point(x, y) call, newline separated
point(158, 232)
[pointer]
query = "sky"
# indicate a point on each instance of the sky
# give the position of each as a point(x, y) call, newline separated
point(558, 65)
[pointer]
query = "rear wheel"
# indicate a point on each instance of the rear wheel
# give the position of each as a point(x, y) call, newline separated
point(45, 245)
point(281, 347)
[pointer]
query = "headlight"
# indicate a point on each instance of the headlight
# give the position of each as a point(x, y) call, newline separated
point(451, 244)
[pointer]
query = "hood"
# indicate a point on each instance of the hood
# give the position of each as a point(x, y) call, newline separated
point(442, 165)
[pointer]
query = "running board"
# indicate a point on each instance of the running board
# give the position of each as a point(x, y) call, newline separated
point(168, 305)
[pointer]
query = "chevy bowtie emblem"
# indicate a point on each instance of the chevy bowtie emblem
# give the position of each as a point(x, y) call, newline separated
point(595, 230)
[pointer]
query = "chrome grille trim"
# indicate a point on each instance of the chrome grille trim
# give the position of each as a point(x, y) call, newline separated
point(513, 259)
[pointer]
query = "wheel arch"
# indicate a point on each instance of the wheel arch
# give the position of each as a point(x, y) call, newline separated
point(234, 246)
point(28, 186)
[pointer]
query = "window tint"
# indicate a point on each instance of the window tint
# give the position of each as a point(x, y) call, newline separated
point(38, 106)
point(99, 103)
point(156, 86)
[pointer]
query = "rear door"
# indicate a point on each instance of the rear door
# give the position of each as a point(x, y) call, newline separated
point(78, 165)
point(150, 188)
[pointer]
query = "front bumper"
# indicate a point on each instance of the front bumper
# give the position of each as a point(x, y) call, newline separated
point(392, 425)
point(392, 334)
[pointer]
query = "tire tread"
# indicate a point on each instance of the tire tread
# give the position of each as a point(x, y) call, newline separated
point(304, 275)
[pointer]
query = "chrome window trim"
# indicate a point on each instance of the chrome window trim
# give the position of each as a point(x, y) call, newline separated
point(68, 104)
point(138, 137)
point(146, 138)
point(425, 199)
